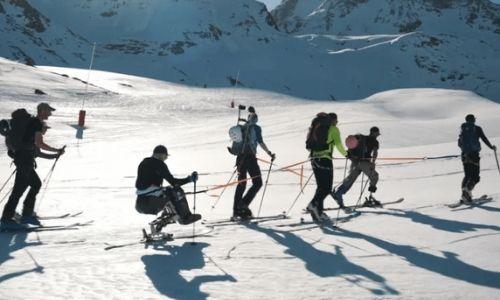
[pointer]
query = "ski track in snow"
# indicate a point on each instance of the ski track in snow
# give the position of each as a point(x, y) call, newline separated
point(416, 249)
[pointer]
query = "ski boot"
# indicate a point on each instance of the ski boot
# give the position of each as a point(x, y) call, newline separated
point(314, 211)
point(189, 219)
point(466, 196)
point(370, 201)
point(242, 214)
point(337, 195)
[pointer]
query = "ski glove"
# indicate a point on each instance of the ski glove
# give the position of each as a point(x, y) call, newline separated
point(272, 155)
point(194, 176)
point(494, 148)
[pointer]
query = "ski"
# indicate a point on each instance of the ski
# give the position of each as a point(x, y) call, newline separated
point(476, 201)
point(356, 207)
point(73, 226)
point(167, 238)
point(254, 220)
point(62, 216)
point(329, 222)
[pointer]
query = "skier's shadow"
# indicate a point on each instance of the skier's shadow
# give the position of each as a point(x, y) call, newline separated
point(12, 242)
point(437, 223)
point(449, 265)
point(165, 271)
point(328, 264)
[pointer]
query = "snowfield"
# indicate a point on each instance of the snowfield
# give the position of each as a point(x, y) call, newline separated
point(419, 249)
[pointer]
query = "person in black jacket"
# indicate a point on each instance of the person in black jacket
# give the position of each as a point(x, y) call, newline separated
point(27, 146)
point(470, 146)
point(152, 197)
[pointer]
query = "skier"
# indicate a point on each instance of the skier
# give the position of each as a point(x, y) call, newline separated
point(468, 141)
point(152, 198)
point(322, 138)
point(246, 162)
point(363, 158)
point(23, 144)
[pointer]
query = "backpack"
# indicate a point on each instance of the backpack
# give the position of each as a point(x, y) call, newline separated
point(14, 131)
point(468, 139)
point(318, 133)
point(243, 140)
point(360, 151)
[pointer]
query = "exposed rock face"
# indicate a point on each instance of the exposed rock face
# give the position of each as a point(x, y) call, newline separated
point(326, 49)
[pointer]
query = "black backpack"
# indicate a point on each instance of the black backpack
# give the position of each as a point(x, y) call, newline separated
point(14, 131)
point(468, 139)
point(360, 151)
point(318, 133)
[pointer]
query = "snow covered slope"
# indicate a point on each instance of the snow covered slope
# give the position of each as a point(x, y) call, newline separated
point(323, 49)
point(417, 249)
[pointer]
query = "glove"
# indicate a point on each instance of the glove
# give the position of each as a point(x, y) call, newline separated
point(194, 176)
point(272, 155)
point(494, 148)
point(61, 151)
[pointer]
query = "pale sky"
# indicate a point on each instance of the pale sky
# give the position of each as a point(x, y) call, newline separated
point(273, 3)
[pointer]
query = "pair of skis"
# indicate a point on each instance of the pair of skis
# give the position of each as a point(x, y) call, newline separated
point(253, 220)
point(475, 202)
point(72, 226)
point(159, 241)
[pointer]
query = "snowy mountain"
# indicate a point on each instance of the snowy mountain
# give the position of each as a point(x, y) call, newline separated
point(449, 43)
point(418, 249)
point(313, 49)
point(29, 36)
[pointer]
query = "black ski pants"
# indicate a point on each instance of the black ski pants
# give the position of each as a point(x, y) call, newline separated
point(471, 170)
point(246, 163)
point(323, 173)
point(26, 176)
point(152, 205)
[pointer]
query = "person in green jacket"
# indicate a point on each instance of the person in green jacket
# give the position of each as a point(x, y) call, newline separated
point(322, 166)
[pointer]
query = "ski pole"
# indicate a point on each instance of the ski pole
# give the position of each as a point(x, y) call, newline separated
point(47, 179)
point(221, 193)
point(496, 158)
point(363, 187)
point(265, 187)
point(7, 181)
point(194, 211)
point(5, 196)
point(345, 172)
point(300, 193)
point(345, 168)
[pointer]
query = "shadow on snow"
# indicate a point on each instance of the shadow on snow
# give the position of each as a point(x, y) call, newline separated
point(165, 271)
point(12, 242)
point(449, 265)
point(328, 264)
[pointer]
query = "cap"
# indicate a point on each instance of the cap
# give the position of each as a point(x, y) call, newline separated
point(160, 149)
point(45, 106)
point(470, 118)
point(374, 129)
